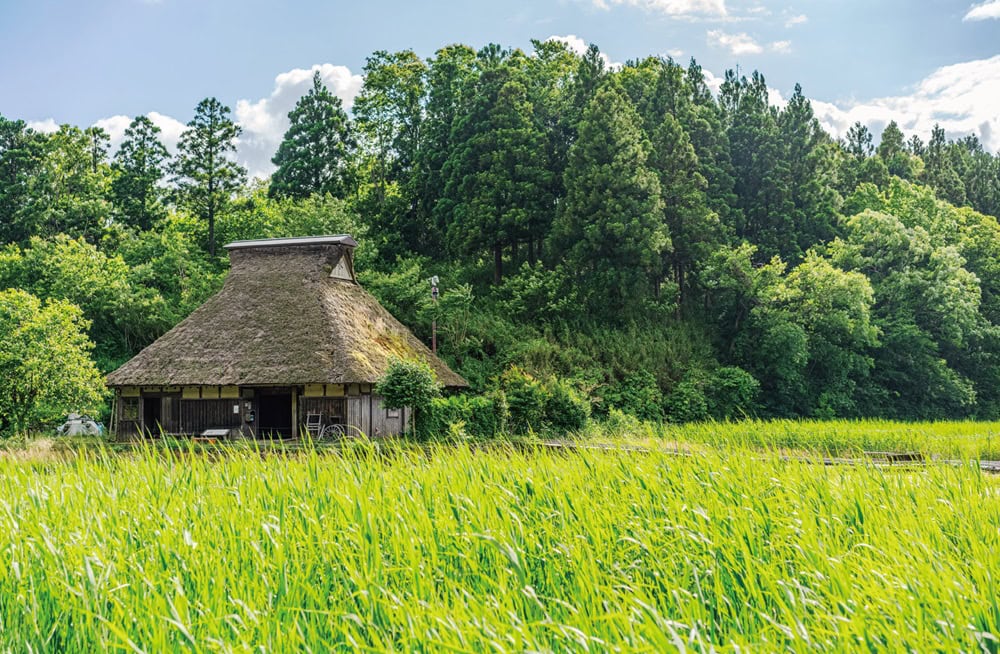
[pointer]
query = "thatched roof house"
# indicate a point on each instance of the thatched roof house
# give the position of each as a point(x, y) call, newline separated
point(291, 339)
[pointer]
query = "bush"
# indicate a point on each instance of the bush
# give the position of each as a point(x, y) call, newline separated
point(565, 409)
point(478, 416)
point(526, 397)
point(410, 384)
point(637, 394)
point(732, 393)
point(687, 402)
point(727, 392)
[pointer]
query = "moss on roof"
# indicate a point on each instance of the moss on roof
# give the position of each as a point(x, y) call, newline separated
point(280, 319)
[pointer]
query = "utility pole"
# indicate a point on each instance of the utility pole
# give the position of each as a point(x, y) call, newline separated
point(434, 322)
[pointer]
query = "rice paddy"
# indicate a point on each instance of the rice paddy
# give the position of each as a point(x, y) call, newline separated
point(454, 548)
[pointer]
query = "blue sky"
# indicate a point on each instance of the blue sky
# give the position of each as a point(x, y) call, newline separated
point(104, 61)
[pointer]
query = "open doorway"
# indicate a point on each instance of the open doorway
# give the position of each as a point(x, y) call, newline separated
point(274, 415)
point(152, 415)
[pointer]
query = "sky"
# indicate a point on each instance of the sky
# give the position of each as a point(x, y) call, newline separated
point(104, 62)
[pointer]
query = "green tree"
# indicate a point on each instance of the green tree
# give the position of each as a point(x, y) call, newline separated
point(45, 366)
point(21, 157)
point(703, 123)
point(204, 170)
point(893, 151)
point(139, 168)
point(497, 177)
point(763, 180)
point(388, 113)
point(610, 227)
point(314, 155)
point(120, 320)
point(412, 385)
point(810, 154)
point(63, 193)
point(939, 171)
point(451, 78)
point(694, 229)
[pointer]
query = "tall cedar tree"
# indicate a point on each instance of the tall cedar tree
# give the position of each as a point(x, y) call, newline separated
point(314, 155)
point(811, 170)
point(693, 227)
point(497, 176)
point(610, 226)
point(388, 113)
point(451, 80)
point(940, 172)
point(204, 170)
point(703, 123)
point(138, 170)
point(763, 183)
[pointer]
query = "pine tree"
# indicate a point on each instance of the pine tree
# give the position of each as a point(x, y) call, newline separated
point(138, 170)
point(704, 125)
point(762, 173)
point(939, 172)
point(204, 170)
point(812, 171)
point(389, 117)
point(498, 176)
point(610, 227)
point(451, 86)
point(314, 154)
point(694, 229)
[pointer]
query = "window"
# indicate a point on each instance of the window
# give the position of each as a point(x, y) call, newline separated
point(130, 408)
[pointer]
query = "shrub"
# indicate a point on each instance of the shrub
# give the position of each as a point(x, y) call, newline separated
point(687, 402)
point(732, 393)
point(637, 394)
point(726, 392)
point(526, 397)
point(565, 409)
point(479, 416)
point(410, 384)
point(488, 415)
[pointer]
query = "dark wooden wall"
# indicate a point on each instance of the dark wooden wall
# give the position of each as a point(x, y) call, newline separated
point(198, 415)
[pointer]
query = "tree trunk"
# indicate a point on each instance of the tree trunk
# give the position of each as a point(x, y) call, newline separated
point(531, 251)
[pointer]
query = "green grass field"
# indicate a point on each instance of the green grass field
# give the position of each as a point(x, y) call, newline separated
point(457, 549)
point(963, 441)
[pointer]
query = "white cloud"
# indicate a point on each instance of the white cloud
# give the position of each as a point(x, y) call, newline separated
point(675, 53)
point(46, 126)
point(960, 97)
point(781, 47)
point(984, 11)
point(796, 20)
point(265, 121)
point(737, 44)
point(579, 47)
point(115, 126)
point(673, 8)
point(170, 129)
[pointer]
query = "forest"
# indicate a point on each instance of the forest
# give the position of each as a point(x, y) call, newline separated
point(628, 234)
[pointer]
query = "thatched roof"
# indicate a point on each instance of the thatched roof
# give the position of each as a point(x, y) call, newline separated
point(282, 319)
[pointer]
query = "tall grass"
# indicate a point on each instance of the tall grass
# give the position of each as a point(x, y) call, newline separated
point(454, 549)
point(959, 440)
